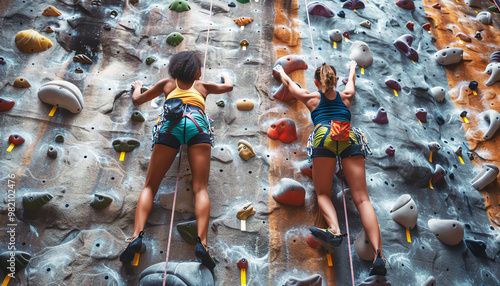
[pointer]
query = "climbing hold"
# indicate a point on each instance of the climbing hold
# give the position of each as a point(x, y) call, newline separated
point(178, 273)
point(363, 246)
point(21, 82)
point(375, 280)
point(486, 176)
point(150, 60)
point(463, 37)
point(493, 118)
point(406, 4)
point(245, 211)
point(62, 94)
point(290, 63)
point(495, 57)
point(392, 84)
point(51, 11)
point(449, 56)
point(284, 129)
point(243, 21)
point(52, 152)
point(245, 150)
point(244, 1)
point(341, 14)
point(319, 9)
point(477, 247)
point(113, 13)
point(143, 89)
point(438, 93)
point(125, 144)
point(473, 85)
point(220, 103)
point(484, 17)
point(2, 61)
point(463, 115)
point(34, 200)
point(458, 152)
point(30, 41)
point(283, 93)
point(354, 4)
point(107, 27)
point(436, 6)
point(449, 232)
point(390, 150)
point(6, 103)
point(427, 26)
point(434, 146)
point(431, 281)
point(404, 211)
point(346, 34)
point(189, 231)
point(367, 24)
point(174, 39)
point(313, 241)
point(360, 52)
point(16, 139)
point(313, 280)
point(438, 174)
point(101, 201)
point(410, 25)
point(59, 138)
point(439, 119)
point(20, 259)
point(137, 116)
point(403, 44)
point(231, 4)
point(421, 114)
point(242, 263)
point(78, 70)
point(244, 44)
point(290, 192)
point(81, 58)
point(179, 6)
point(381, 116)
point(477, 35)
point(345, 80)
point(49, 30)
point(473, 3)
point(306, 167)
point(244, 104)
point(493, 69)
point(335, 35)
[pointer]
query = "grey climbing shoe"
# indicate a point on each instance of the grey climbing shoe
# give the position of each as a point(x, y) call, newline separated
point(202, 252)
point(134, 246)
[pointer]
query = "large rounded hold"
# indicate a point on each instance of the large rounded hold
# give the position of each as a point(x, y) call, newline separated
point(284, 130)
point(62, 94)
point(493, 69)
point(33, 201)
point(290, 63)
point(363, 246)
point(6, 103)
point(439, 93)
point(30, 41)
point(178, 274)
point(405, 212)
point(449, 56)
point(493, 118)
point(319, 9)
point(174, 39)
point(101, 201)
point(354, 4)
point(290, 192)
point(188, 231)
point(179, 6)
point(448, 231)
point(360, 52)
point(488, 175)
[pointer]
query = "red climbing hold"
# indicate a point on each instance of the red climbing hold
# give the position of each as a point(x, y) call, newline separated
point(313, 241)
point(284, 130)
point(436, 6)
point(354, 4)
point(427, 26)
point(390, 150)
point(290, 192)
point(306, 168)
point(392, 84)
point(346, 34)
point(319, 9)
point(6, 103)
point(421, 115)
point(290, 63)
point(243, 263)
point(381, 117)
point(410, 25)
point(406, 4)
point(16, 139)
point(283, 93)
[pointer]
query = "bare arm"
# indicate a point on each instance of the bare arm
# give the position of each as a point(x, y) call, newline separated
point(217, 88)
point(156, 90)
point(349, 87)
point(301, 94)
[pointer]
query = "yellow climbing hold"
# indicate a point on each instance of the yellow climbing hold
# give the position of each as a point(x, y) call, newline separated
point(51, 11)
point(244, 104)
point(21, 82)
point(30, 41)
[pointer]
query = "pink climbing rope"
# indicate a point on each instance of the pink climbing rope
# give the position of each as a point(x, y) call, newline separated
point(310, 33)
point(346, 224)
point(206, 45)
point(172, 218)
point(497, 4)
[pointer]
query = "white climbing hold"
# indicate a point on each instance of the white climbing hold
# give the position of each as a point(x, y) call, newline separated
point(448, 231)
point(405, 212)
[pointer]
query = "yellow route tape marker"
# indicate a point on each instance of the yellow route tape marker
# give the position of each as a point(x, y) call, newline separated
point(474, 92)
point(362, 70)
point(419, 121)
point(475, 11)
point(355, 10)
point(430, 184)
point(491, 26)
point(6, 280)
point(334, 45)
point(243, 225)
point(10, 147)
point(53, 110)
point(430, 157)
point(346, 39)
point(122, 156)
point(329, 258)
point(395, 92)
point(461, 160)
point(136, 259)
point(244, 48)
point(465, 119)
point(243, 277)
point(413, 62)
point(408, 237)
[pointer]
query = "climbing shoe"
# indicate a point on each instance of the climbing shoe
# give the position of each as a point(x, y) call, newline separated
point(202, 252)
point(378, 267)
point(134, 246)
point(326, 235)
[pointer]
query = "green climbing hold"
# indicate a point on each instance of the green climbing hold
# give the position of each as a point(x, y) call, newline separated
point(125, 144)
point(244, 1)
point(188, 231)
point(179, 6)
point(220, 103)
point(33, 201)
point(150, 60)
point(101, 201)
point(137, 116)
point(493, 8)
point(21, 259)
point(174, 39)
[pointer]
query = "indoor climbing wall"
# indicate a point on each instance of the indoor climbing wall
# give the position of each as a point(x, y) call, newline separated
point(75, 149)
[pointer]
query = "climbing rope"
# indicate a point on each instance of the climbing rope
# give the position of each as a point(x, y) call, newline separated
point(206, 45)
point(310, 34)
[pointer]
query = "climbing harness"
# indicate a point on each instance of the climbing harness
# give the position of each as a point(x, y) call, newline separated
point(360, 136)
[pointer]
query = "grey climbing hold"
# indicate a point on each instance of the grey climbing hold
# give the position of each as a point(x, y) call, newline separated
point(405, 212)
point(21, 259)
point(493, 69)
point(363, 246)
point(189, 231)
point(101, 201)
point(477, 247)
point(33, 201)
point(59, 138)
point(290, 192)
point(335, 35)
point(367, 24)
point(137, 116)
point(360, 52)
point(448, 231)
point(314, 280)
point(434, 146)
point(62, 94)
point(431, 281)
point(178, 274)
point(473, 3)
point(449, 56)
point(52, 152)
point(375, 280)
point(438, 93)
point(493, 118)
point(488, 174)
point(484, 17)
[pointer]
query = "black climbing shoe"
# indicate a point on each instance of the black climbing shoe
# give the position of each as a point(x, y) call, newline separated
point(378, 267)
point(326, 235)
point(203, 253)
point(134, 246)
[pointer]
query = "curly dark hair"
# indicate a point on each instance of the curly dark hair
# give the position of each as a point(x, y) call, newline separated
point(184, 66)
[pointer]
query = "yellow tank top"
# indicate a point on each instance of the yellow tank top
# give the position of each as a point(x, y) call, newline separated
point(190, 96)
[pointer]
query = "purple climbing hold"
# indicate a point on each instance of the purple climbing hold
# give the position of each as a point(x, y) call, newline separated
point(381, 117)
point(346, 34)
point(345, 80)
point(390, 150)
point(354, 4)
point(495, 57)
point(438, 174)
point(403, 44)
point(392, 84)
point(319, 9)
point(2, 61)
point(421, 115)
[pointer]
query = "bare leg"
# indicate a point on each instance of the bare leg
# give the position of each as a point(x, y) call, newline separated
point(354, 172)
point(199, 160)
point(323, 172)
point(161, 159)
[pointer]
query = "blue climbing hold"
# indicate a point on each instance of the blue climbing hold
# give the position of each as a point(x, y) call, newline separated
point(341, 14)
point(473, 85)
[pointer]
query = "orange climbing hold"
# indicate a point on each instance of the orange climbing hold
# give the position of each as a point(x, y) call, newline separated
point(243, 21)
point(51, 11)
